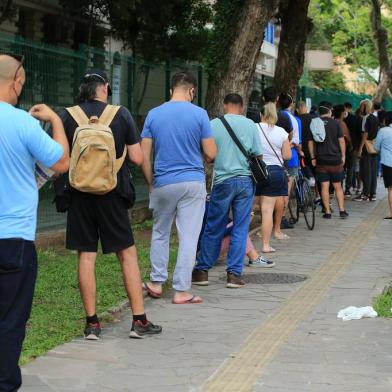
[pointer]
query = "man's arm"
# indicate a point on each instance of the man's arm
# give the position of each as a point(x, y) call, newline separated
point(146, 166)
point(135, 154)
point(311, 152)
point(209, 149)
point(362, 144)
point(342, 145)
point(44, 113)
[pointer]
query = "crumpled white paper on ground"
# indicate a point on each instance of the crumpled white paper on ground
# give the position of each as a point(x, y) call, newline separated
point(354, 313)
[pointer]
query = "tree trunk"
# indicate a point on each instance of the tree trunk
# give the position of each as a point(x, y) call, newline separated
point(237, 50)
point(291, 56)
point(381, 38)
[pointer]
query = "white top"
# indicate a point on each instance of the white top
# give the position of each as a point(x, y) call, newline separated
point(295, 140)
point(276, 136)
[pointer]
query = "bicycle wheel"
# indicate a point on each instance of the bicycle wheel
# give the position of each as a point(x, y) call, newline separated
point(293, 203)
point(308, 207)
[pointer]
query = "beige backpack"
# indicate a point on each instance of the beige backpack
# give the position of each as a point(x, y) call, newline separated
point(93, 166)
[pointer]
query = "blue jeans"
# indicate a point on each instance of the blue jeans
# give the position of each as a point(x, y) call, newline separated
point(236, 194)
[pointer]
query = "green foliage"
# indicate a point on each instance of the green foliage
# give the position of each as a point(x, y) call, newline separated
point(328, 80)
point(345, 26)
point(383, 303)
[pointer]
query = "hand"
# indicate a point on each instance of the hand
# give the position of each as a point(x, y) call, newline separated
point(344, 161)
point(43, 112)
point(314, 162)
point(150, 188)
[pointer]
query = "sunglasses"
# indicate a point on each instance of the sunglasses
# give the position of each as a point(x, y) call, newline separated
point(19, 58)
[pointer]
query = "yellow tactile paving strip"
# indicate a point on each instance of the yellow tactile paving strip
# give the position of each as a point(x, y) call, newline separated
point(239, 373)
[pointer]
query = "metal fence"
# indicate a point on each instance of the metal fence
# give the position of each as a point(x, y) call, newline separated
point(53, 76)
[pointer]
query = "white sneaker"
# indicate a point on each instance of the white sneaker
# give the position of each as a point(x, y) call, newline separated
point(261, 262)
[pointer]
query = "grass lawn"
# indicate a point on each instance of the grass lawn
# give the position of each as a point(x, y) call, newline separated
point(58, 314)
point(383, 303)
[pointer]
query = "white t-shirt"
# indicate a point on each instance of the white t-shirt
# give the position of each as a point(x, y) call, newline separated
point(276, 136)
point(295, 125)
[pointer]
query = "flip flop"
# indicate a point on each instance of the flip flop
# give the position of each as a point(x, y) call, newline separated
point(271, 250)
point(195, 299)
point(282, 237)
point(150, 292)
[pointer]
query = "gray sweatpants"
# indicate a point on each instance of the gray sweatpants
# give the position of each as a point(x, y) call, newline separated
point(186, 202)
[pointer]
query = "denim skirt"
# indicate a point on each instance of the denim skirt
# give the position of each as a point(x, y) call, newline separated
point(278, 184)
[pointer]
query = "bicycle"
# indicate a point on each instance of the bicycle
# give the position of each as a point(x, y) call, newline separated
point(301, 199)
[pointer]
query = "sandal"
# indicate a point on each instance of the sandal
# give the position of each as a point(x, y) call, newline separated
point(150, 292)
point(195, 299)
point(282, 236)
point(270, 250)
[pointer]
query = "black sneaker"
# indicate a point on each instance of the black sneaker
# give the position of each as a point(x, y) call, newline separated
point(373, 198)
point(261, 262)
point(343, 214)
point(234, 281)
point(200, 278)
point(361, 198)
point(285, 224)
point(140, 330)
point(327, 216)
point(92, 331)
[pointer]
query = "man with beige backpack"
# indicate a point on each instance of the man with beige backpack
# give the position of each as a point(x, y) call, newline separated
point(102, 136)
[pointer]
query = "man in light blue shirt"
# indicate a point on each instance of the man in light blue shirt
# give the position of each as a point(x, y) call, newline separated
point(180, 135)
point(383, 144)
point(23, 143)
point(233, 189)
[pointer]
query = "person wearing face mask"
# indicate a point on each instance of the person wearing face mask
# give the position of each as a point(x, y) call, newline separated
point(180, 134)
point(23, 143)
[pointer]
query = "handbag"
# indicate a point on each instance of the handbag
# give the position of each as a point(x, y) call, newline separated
point(257, 166)
point(272, 148)
point(369, 145)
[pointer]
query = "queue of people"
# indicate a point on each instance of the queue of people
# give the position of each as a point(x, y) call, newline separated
point(176, 140)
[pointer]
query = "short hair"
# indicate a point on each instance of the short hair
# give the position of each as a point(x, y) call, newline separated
point(313, 108)
point(88, 91)
point(376, 105)
point(388, 118)
point(269, 113)
point(234, 99)
point(183, 78)
point(365, 107)
point(285, 100)
point(348, 105)
point(324, 107)
point(270, 94)
point(338, 110)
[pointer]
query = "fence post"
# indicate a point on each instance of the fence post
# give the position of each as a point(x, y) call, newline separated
point(200, 85)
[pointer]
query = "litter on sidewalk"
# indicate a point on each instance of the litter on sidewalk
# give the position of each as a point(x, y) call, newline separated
point(354, 313)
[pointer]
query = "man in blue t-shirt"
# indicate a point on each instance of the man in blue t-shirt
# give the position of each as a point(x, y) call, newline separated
point(23, 143)
point(180, 134)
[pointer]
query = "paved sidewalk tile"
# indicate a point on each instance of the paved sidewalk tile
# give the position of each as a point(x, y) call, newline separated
point(323, 354)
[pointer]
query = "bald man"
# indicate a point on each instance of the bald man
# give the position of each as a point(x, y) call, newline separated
point(22, 143)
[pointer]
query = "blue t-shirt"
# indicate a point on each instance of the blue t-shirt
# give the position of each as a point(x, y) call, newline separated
point(22, 143)
point(177, 129)
point(294, 161)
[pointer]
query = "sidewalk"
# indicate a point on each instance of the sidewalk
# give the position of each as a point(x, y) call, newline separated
point(202, 346)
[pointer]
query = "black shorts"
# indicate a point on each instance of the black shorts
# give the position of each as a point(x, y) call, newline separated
point(387, 175)
point(98, 217)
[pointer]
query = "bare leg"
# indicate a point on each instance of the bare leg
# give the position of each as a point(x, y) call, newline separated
point(279, 211)
point(87, 283)
point(339, 195)
point(252, 255)
point(267, 209)
point(132, 279)
point(325, 196)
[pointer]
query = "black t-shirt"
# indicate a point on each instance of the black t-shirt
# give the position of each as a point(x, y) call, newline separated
point(371, 126)
point(284, 122)
point(328, 152)
point(306, 119)
point(354, 125)
point(122, 126)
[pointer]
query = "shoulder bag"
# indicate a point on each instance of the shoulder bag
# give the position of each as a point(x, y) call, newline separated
point(257, 166)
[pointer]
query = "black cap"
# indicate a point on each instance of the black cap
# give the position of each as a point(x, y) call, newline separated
point(97, 75)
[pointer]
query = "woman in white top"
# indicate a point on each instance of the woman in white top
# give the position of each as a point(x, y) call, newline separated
point(276, 149)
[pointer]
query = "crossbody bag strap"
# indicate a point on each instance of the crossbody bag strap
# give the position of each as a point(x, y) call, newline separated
point(266, 138)
point(234, 137)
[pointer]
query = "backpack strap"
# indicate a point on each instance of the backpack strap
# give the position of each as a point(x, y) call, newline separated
point(119, 162)
point(78, 115)
point(108, 114)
